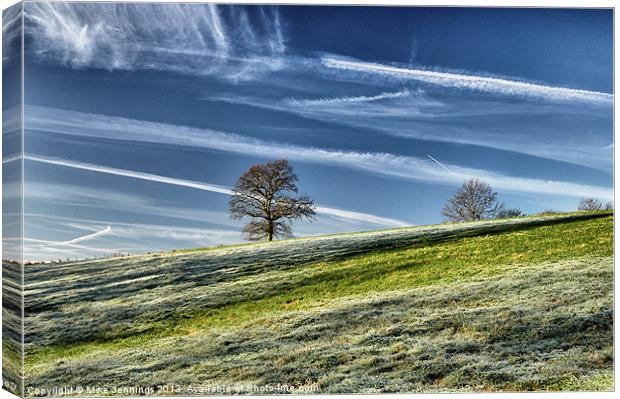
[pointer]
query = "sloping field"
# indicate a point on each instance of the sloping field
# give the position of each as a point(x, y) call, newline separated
point(497, 305)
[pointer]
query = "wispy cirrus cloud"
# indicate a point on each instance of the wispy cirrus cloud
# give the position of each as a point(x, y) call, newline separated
point(99, 233)
point(129, 173)
point(417, 114)
point(239, 43)
point(405, 103)
point(118, 237)
point(361, 217)
point(386, 164)
point(484, 84)
point(37, 249)
point(325, 210)
point(111, 200)
point(113, 234)
point(11, 32)
point(231, 42)
point(199, 39)
point(350, 100)
point(110, 236)
point(167, 228)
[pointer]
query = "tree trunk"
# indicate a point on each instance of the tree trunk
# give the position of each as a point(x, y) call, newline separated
point(270, 232)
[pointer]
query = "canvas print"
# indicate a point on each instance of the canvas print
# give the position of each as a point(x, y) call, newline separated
point(218, 199)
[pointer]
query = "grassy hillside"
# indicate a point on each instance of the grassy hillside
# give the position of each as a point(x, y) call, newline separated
point(497, 305)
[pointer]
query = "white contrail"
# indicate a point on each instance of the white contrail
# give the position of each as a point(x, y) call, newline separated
point(361, 217)
point(443, 166)
point(472, 82)
point(96, 234)
point(350, 215)
point(11, 159)
point(54, 246)
point(130, 173)
point(387, 164)
point(356, 99)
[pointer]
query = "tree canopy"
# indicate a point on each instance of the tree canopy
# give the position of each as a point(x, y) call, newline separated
point(266, 194)
point(474, 200)
point(589, 204)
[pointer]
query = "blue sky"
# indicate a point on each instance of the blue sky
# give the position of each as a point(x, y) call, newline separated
point(140, 117)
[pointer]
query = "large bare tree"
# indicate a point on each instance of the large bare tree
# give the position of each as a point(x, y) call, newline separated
point(474, 200)
point(266, 194)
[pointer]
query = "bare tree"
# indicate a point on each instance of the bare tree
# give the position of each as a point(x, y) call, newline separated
point(505, 213)
point(474, 200)
point(609, 206)
point(548, 212)
point(589, 204)
point(265, 195)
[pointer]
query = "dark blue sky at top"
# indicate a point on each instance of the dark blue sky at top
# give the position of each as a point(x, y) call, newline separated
point(571, 47)
point(210, 91)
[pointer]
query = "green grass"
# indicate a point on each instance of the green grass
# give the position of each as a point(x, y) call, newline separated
point(335, 235)
point(439, 313)
point(418, 266)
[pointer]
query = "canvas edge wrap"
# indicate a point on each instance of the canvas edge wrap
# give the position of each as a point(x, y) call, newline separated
point(12, 201)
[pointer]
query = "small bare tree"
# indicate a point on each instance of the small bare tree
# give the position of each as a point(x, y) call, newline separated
point(589, 204)
point(264, 194)
point(548, 212)
point(505, 213)
point(474, 200)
